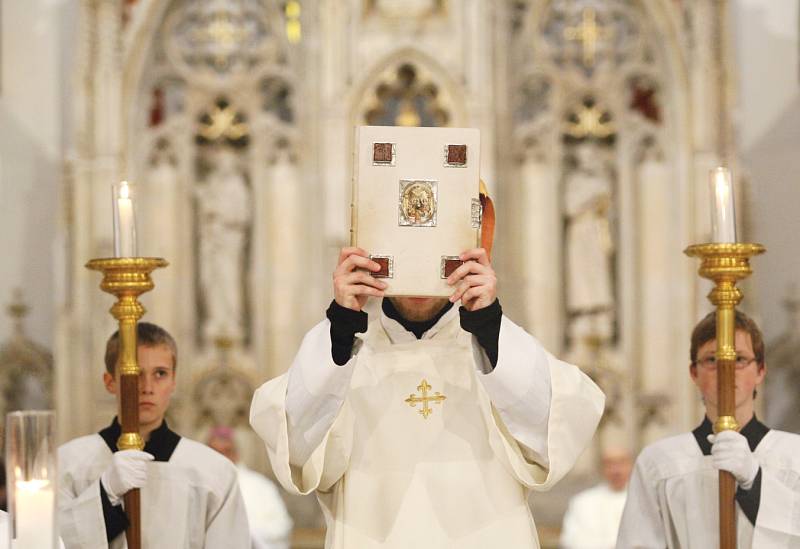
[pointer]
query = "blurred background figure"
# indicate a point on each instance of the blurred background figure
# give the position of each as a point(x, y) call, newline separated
point(270, 524)
point(593, 516)
point(3, 500)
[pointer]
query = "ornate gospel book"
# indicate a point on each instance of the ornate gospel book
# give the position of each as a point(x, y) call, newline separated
point(415, 203)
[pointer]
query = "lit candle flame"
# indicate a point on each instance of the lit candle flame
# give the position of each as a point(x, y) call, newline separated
point(124, 191)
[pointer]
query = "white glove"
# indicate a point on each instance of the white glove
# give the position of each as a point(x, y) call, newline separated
point(730, 452)
point(128, 470)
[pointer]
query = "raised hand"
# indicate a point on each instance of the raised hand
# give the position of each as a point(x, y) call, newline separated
point(353, 282)
point(475, 281)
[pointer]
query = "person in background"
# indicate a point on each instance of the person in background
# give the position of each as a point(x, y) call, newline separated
point(3, 496)
point(593, 516)
point(270, 524)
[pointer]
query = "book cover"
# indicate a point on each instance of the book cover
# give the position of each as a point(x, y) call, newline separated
point(415, 203)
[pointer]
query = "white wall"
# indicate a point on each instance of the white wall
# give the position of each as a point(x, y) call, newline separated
point(34, 58)
point(767, 45)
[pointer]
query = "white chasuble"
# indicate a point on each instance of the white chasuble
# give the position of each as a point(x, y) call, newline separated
point(191, 501)
point(415, 453)
point(674, 492)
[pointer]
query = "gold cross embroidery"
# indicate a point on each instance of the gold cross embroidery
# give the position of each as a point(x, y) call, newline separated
point(423, 388)
point(589, 33)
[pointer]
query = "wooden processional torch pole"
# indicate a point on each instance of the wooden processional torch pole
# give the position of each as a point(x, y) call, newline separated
point(126, 277)
point(725, 262)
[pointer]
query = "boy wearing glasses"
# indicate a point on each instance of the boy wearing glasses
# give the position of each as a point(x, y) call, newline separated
point(673, 493)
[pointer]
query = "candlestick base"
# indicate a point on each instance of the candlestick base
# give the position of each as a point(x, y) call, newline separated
point(723, 261)
point(126, 275)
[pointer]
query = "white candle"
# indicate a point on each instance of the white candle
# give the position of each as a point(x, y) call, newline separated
point(34, 519)
point(124, 222)
point(723, 215)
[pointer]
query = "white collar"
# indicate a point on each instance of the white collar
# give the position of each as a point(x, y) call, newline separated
point(398, 334)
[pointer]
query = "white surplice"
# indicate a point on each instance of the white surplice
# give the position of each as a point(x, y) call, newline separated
point(385, 475)
point(191, 501)
point(270, 524)
point(592, 519)
point(673, 497)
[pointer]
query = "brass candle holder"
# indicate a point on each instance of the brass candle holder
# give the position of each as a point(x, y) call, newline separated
point(725, 264)
point(127, 278)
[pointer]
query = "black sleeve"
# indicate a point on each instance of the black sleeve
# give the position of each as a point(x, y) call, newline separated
point(749, 500)
point(345, 324)
point(484, 324)
point(114, 516)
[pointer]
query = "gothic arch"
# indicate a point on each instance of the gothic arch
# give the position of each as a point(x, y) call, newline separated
point(361, 94)
point(662, 15)
point(137, 48)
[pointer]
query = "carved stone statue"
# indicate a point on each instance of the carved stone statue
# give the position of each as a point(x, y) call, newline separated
point(223, 204)
point(589, 246)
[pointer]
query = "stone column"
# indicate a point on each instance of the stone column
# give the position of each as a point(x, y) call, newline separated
point(285, 276)
point(540, 252)
point(659, 361)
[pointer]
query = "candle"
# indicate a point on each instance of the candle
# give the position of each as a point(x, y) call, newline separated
point(34, 518)
point(723, 215)
point(32, 479)
point(124, 221)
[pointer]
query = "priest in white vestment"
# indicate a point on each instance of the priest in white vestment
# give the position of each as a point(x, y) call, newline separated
point(190, 497)
point(429, 425)
point(593, 516)
point(673, 494)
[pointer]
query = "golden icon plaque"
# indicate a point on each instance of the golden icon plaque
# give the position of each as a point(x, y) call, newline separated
point(417, 204)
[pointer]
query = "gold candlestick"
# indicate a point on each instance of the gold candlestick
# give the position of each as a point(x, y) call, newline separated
point(127, 278)
point(725, 265)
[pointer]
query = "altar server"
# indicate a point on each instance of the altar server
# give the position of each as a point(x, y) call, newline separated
point(189, 493)
point(673, 494)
